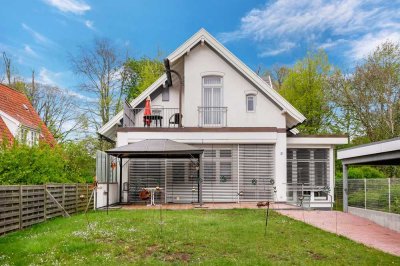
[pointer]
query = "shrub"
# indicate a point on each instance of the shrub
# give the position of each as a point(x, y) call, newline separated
point(40, 164)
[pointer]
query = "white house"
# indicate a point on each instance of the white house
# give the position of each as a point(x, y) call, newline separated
point(252, 151)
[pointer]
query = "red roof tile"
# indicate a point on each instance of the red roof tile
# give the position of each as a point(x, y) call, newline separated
point(17, 105)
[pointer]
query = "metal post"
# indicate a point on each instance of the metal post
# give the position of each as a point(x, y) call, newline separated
point(200, 183)
point(108, 183)
point(365, 193)
point(345, 189)
point(120, 179)
point(389, 196)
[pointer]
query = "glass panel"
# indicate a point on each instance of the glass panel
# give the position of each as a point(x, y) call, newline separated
point(303, 173)
point(209, 169)
point(321, 175)
point(250, 103)
point(289, 172)
point(303, 154)
point(320, 154)
point(225, 171)
point(225, 153)
point(212, 80)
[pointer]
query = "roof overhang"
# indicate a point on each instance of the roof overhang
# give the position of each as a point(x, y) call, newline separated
point(317, 140)
point(385, 152)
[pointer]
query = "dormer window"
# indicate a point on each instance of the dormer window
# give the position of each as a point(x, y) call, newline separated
point(251, 103)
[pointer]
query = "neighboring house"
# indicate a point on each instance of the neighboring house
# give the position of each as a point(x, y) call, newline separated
point(252, 149)
point(19, 120)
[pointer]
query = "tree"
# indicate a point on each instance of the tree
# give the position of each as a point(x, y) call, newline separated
point(141, 74)
point(305, 87)
point(278, 74)
point(100, 67)
point(7, 67)
point(371, 95)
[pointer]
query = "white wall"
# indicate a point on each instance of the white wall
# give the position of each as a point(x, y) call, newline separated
point(101, 197)
point(12, 126)
point(203, 61)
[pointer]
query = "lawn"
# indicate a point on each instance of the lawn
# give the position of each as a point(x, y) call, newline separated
point(211, 237)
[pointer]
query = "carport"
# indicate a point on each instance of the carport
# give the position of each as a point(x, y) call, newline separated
point(158, 149)
point(385, 152)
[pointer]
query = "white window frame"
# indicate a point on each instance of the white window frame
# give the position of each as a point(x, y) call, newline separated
point(253, 96)
point(215, 117)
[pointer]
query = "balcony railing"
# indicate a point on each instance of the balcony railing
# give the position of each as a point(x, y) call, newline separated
point(160, 117)
point(212, 116)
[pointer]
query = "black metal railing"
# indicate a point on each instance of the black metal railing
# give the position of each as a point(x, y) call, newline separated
point(212, 116)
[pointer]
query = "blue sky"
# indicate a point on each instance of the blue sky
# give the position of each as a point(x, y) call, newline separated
point(39, 34)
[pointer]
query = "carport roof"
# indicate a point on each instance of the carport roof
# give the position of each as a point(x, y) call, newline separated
point(386, 152)
point(155, 148)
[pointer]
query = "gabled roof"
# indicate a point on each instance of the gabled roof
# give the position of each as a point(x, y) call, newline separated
point(202, 36)
point(17, 106)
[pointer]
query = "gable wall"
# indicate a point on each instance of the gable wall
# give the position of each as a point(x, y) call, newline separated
point(202, 61)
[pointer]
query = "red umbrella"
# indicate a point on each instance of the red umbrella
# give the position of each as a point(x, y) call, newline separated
point(147, 111)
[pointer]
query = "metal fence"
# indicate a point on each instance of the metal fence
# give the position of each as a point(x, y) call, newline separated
point(25, 205)
point(374, 194)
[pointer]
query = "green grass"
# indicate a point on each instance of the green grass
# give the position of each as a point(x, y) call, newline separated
point(211, 237)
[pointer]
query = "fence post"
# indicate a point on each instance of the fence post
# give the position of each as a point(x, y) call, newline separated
point(389, 193)
point(365, 193)
point(87, 193)
point(45, 202)
point(20, 206)
point(63, 195)
point(76, 197)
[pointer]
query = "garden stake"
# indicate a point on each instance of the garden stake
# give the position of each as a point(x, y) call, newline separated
point(266, 219)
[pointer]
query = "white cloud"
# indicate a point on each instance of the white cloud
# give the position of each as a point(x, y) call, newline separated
point(365, 45)
point(89, 24)
point(48, 77)
point(72, 6)
point(36, 35)
point(284, 47)
point(29, 51)
point(330, 22)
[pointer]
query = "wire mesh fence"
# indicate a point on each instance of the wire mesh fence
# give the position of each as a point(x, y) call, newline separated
point(374, 194)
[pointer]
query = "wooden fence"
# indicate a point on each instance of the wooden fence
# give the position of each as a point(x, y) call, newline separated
point(25, 205)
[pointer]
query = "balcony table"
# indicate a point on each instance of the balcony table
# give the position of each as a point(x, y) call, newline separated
point(151, 118)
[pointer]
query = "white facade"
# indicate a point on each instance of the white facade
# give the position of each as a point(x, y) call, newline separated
point(267, 123)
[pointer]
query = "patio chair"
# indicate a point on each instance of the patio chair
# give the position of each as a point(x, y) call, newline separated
point(175, 119)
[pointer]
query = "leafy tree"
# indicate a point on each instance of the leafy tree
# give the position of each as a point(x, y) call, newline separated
point(371, 95)
point(141, 74)
point(305, 87)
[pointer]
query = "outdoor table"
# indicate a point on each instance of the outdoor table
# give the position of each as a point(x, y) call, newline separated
point(151, 118)
point(152, 191)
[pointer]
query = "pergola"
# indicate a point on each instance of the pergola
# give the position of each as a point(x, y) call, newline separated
point(385, 152)
point(157, 148)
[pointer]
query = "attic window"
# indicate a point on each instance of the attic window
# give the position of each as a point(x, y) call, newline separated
point(25, 107)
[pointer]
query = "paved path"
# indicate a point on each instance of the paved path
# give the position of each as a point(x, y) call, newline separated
point(356, 228)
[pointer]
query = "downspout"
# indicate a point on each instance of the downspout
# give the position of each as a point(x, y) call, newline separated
point(168, 72)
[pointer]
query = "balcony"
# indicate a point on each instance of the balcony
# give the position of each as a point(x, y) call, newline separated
point(160, 117)
point(212, 116)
